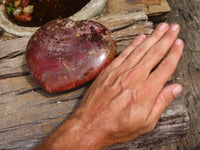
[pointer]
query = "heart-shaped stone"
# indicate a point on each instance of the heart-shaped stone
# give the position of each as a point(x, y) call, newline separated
point(64, 54)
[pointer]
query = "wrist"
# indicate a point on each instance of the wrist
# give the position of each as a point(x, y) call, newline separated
point(90, 135)
point(75, 133)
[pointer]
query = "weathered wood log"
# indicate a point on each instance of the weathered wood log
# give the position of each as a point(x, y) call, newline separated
point(124, 27)
point(186, 14)
point(155, 9)
point(29, 114)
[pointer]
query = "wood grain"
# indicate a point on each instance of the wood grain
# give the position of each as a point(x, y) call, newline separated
point(125, 27)
point(187, 14)
point(29, 114)
point(155, 9)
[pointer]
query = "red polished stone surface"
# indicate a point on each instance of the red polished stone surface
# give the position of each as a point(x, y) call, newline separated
point(64, 54)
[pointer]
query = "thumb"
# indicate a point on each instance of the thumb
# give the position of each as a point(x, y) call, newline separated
point(164, 99)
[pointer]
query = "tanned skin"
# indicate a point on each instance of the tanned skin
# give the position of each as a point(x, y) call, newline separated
point(127, 98)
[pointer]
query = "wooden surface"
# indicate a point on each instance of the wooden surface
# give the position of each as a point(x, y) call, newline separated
point(28, 113)
point(187, 14)
point(155, 9)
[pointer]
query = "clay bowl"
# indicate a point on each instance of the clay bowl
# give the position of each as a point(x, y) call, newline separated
point(91, 9)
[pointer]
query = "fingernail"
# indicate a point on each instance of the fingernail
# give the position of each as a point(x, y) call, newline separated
point(174, 27)
point(162, 26)
point(141, 37)
point(178, 42)
point(177, 90)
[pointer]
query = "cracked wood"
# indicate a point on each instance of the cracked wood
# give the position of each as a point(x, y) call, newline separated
point(30, 114)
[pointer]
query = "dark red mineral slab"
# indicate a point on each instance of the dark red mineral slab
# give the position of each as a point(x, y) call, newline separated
point(64, 54)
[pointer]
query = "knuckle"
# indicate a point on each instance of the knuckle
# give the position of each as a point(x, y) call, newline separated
point(156, 35)
point(142, 49)
point(145, 89)
point(104, 72)
point(109, 76)
point(138, 70)
point(108, 72)
point(170, 36)
point(127, 78)
point(156, 50)
point(164, 98)
point(124, 54)
point(169, 64)
point(134, 74)
point(132, 45)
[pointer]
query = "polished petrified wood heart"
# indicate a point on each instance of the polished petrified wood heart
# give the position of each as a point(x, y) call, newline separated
point(64, 54)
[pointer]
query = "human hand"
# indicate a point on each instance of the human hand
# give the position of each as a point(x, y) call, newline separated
point(128, 97)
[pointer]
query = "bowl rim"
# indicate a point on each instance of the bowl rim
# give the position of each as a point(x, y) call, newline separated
point(91, 9)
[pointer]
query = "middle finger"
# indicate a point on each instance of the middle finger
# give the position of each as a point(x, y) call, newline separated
point(158, 51)
point(135, 57)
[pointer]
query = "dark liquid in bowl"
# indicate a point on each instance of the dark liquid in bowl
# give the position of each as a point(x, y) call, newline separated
point(46, 10)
